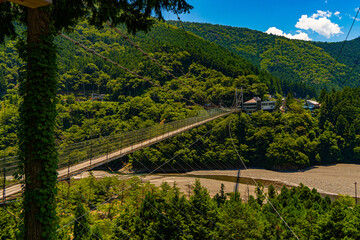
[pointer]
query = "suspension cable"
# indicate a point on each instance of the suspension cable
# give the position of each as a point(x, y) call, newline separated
point(124, 68)
point(117, 30)
point(262, 192)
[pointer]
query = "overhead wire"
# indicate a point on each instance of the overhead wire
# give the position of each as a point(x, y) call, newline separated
point(89, 230)
point(111, 221)
point(186, 35)
point(177, 162)
point(183, 27)
point(124, 68)
point(350, 73)
point(106, 201)
point(342, 46)
point(267, 199)
point(117, 30)
point(194, 207)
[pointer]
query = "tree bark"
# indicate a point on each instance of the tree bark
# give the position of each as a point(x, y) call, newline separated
point(38, 89)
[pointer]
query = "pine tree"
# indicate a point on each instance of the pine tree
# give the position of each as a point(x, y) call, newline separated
point(81, 225)
point(39, 85)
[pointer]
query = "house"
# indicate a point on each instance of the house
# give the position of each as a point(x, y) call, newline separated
point(268, 105)
point(97, 97)
point(255, 104)
point(311, 105)
point(252, 105)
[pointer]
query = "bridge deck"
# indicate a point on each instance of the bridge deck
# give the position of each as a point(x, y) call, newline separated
point(65, 173)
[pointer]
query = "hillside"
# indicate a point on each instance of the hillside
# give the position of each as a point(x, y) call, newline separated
point(81, 73)
point(211, 71)
point(294, 60)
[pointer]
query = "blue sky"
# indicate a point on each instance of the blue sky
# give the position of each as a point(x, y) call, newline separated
point(317, 20)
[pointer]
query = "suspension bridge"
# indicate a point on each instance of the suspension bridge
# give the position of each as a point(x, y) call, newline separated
point(84, 156)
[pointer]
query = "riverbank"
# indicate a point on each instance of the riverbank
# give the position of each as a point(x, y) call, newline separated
point(329, 180)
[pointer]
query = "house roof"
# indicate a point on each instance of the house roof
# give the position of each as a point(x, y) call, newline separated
point(250, 101)
point(312, 102)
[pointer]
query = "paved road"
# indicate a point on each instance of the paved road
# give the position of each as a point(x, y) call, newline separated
point(64, 173)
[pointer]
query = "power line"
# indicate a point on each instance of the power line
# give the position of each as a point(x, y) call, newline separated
point(267, 199)
point(155, 61)
point(111, 198)
point(191, 205)
point(183, 27)
point(124, 68)
point(352, 69)
point(89, 230)
point(342, 46)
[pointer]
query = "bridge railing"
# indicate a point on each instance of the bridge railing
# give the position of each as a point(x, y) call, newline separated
point(69, 155)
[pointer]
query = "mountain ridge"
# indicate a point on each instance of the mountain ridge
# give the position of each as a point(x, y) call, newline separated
point(297, 60)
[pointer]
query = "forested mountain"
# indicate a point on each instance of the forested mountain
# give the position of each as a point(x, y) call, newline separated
point(169, 45)
point(210, 72)
point(294, 60)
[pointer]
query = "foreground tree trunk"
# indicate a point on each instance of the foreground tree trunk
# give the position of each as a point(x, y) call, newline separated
point(38, 88)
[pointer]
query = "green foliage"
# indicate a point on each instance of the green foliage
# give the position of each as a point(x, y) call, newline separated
point(143, 211)
point(297, 63)
point(81, 226)
point(9, 221)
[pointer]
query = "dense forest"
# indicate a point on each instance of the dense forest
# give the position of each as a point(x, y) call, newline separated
point(142, 211)
point(291, 140)
point(206, 73)
point(298, 61)
point(132, 103)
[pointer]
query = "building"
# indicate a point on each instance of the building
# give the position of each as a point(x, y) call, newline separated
point(252, 105)
point(268, 105)
point(255, 104)
point(311, 105)
point(97, 97)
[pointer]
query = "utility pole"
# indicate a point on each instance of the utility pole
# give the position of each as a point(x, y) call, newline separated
point(236, 190)
point(236, 98)
point(242, 98)
point(355, 194)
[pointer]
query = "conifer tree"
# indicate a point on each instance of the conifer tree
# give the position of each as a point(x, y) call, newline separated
point(81, 226)
point(38, 87)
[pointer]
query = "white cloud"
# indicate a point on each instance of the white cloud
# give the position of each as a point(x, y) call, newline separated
point(319, 23)
point(300, 35)
point(320, 13)
point(337, 14)
point(357, 19)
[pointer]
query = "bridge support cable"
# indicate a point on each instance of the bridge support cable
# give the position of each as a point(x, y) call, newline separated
point(157, 62)
point(156, 166)
point(106, 149)
point(196, 209)
point(104, 216)
point(87, 229)
point(126, 69)
point(342, 46)
point(94, 207)
point(229, 212)
point(113, 197)
point(257, 185)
